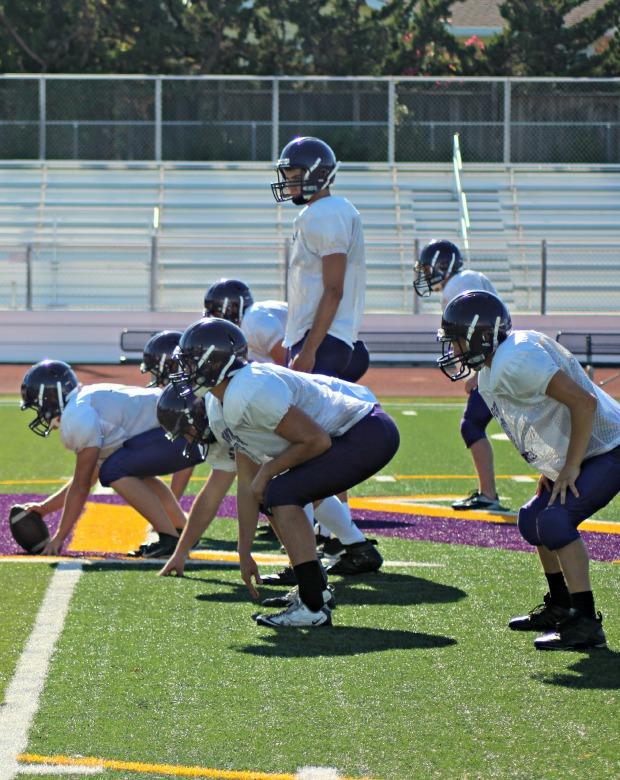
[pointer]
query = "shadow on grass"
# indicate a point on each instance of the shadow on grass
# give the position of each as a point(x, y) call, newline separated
point(598, 669)
point(370, 589)
point(339, 640)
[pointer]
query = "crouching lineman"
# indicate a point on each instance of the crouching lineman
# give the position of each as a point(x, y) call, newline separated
point(114, 433)
point(565, 427)
point(297, 440)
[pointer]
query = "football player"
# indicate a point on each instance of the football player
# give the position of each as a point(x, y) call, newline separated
point(159, 361)
point(440, 268)
point(566, 428)
point(264, 323)
point(114, 432)
point(297, 439)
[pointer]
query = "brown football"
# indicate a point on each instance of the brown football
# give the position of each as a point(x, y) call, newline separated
point(29, 529)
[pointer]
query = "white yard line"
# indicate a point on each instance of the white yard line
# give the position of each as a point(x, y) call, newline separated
point(53, 769)
point(22, 696)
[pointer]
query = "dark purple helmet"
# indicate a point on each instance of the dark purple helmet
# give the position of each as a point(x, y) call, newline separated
point(184, 416)
point(45, 388)
point(228, 299)
point(157, 357)
point(438, 260)
point(210, 350)
point(318, 166)
point(477, 322)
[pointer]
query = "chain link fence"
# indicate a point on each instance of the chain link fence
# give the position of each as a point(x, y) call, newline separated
point(371, 120)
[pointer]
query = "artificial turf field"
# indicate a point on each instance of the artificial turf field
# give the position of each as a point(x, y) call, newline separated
point(419, 676)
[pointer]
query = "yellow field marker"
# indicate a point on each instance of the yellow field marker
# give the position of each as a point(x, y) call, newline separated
point(108, 528)
point(405, 505)
point(457, 476)
point(173, 770)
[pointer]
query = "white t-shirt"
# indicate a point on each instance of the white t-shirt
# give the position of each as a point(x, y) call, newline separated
point(260, 394)
point(106, 415)
point(327, 226)
point(465, 281)
point(539, 426)
point(263, 325)
point(221, 454)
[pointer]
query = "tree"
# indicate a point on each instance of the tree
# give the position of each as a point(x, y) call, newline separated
point(537, 41)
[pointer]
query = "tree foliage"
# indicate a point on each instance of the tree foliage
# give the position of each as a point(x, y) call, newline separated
point(300, 37)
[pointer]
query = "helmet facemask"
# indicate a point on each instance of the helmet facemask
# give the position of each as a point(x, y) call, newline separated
point(308, 183)
point(46, 388)
point(473, 346)
point(430, 275)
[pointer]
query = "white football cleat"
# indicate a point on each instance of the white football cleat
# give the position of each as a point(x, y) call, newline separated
point(296, 616)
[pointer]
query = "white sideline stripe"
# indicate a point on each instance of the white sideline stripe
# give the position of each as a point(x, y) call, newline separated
point(49, 769)
point(384, 478)
point(410, 413)
point(500, 437)
point(22, 696)
point(317, 773)
point(522, 478)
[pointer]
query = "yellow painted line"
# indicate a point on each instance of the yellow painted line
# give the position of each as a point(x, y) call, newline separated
point(33, 481)
point(233, 557)
point(457, 476)
point(173, 770)
point(404, 505)
point(108, 528)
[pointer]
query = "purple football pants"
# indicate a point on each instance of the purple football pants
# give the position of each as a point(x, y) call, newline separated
point(353, 457)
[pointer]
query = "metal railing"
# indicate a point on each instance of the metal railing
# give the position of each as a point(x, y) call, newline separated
point(383, 119)
point(457, 167)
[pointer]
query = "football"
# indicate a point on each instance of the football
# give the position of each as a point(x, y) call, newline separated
point(28, 529)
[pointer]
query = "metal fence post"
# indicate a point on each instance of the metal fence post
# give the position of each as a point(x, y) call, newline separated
point(507, 120)
point(287, 257)
point(416, 257)
point(391, 140)
point(543, 277)
point(42, 117)
point(154, 265)
point(275, 119)
point(29, 277)
point(158, 119)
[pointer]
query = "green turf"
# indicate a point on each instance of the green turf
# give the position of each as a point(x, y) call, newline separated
point(21, 591)
point(419, 677)
point(430, 444)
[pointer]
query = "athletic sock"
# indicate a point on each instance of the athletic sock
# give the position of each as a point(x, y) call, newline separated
point(558, 590)
point(584, 602)
point(310, 580)
point(336, 517)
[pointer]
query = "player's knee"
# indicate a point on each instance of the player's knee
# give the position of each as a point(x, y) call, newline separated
point(527, 525)
point(471, 431)
point(555, 527)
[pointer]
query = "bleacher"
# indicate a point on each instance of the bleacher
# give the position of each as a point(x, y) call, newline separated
point(92, 236)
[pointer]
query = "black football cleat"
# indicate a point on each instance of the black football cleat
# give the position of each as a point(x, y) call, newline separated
point(285, 577)
point(575, 632)
point(162, 548)
point(358, 558)
point(544, 617)
point(288, 598)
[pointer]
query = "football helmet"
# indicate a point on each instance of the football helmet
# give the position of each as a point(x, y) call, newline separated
point(45, 388)
point(210, 350)
point(318, 166)
point(157, 357)
point(476, 322)
point(228, 299)
point(438, 260)
point(184, 416)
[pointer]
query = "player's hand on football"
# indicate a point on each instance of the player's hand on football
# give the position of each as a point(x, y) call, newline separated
point(52, 547)
point(249, 571)
point(176, 563)
point(32, 507)
point(565, 481)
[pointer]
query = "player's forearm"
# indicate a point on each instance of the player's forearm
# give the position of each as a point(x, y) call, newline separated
point(74, 504)
point(247, 514)
point(204, 509)
point(57, 500)
point(325, 313)
point(298, 452)
point(582, 422)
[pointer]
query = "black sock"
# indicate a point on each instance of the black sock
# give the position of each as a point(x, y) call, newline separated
point(558, 590)
point(584, 602)
point(310, 578)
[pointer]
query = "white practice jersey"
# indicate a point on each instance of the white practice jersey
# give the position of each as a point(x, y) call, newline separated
point(465, 281)
point(221, 454)
point(327, 226)
point(258, 397)
point(106, 415)
point(264, 325)
point(539, 426)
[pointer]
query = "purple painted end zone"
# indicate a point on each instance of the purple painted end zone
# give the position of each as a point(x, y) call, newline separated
point(602, 547)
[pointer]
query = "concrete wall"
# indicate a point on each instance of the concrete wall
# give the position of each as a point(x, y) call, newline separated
point(94, 337)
